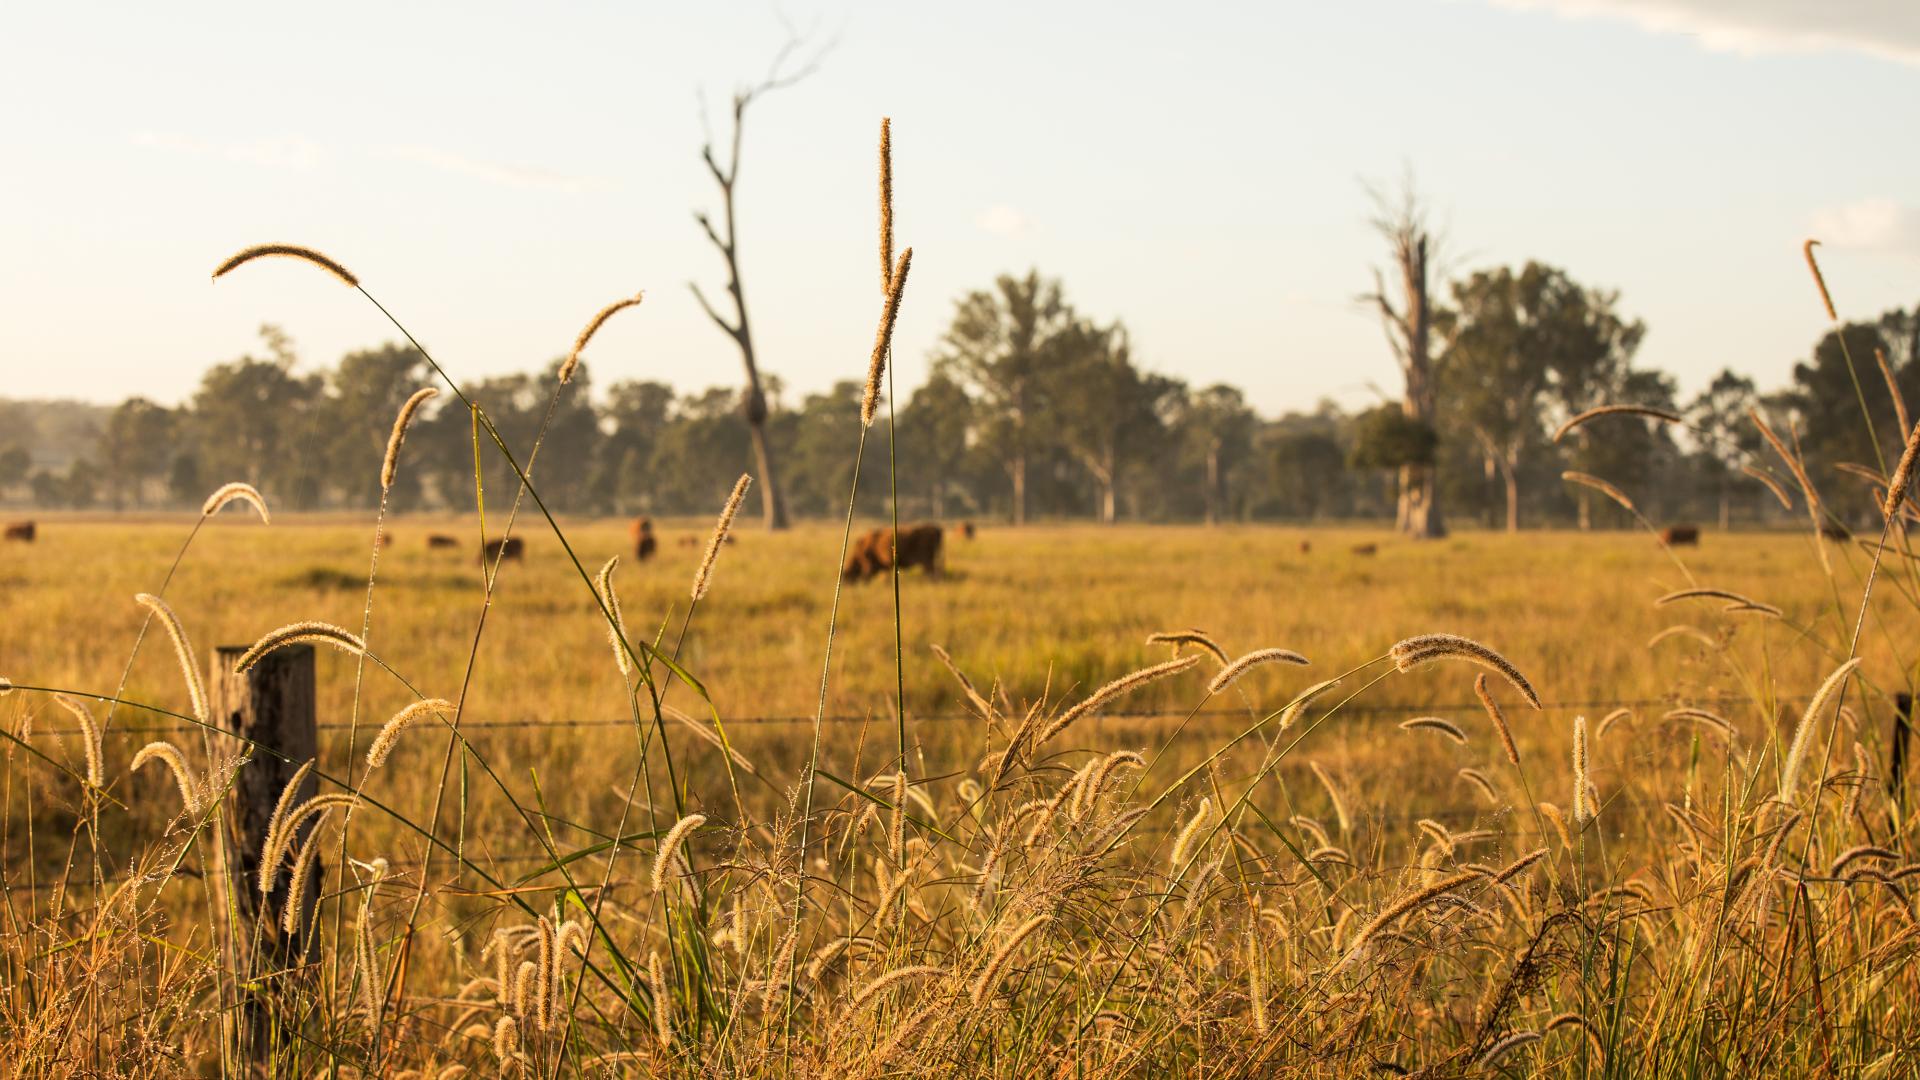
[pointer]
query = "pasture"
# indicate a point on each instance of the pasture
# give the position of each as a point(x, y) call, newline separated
point(1346, 801)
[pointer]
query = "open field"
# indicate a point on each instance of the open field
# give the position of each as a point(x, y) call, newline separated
point(1037, 618)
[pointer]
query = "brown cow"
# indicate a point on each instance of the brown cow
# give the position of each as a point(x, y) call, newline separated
point(1680, 535)
point(494, 550)
point(919, 545)
point(1835, 531)
point(1366, 549)
point(441, 540)
point(640, 531)
point(22, 531)
point(966, 530)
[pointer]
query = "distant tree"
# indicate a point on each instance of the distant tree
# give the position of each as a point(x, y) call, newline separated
point(80, 488)
point(1401, 219)
point(254, 420)
point(14, 463)
point(633, 417)
point(135, 449)
point(1844, 412)
point(1385, 437)
point(47, 489)
point(367, 389)
point(1106, 411)
point(1000, 347)
point(1512, 339)
point(184, 483)
point(1217, 428)
point(1306, 468)
point(938, 415)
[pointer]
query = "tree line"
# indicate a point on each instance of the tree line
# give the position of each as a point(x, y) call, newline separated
point(1033, 410)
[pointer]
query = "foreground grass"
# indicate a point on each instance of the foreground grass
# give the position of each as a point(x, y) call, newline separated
point(1030, 919)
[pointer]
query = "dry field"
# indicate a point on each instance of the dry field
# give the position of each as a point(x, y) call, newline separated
point(1356, 908)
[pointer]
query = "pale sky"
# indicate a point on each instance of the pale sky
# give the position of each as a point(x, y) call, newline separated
point(496, 173)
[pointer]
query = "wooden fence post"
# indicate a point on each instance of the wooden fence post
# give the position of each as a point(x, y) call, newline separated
point(1897, 755)
point(272, 708)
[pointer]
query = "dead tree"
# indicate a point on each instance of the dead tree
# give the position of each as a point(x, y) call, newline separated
point(1402, 220)
point(753, 403)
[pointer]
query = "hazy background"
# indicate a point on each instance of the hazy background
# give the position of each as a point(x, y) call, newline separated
point(498, 172)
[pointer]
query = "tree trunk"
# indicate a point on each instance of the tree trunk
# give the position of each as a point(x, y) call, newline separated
point(1510, 474)
point(1017, 469)
point(773, 509)
point(1726, 509)
point(1106, 503)
point(1213, 484)
point(1418, 514)
point(1584, 510)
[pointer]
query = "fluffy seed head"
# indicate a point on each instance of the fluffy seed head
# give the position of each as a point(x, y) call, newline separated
point(300, 633)
point(227, 493)
point(670, 847)
point(617, 626)
point(391, 463)
point(886, 205)
point(1401, 907)
point(176, 763)
point(1603, 487)
point(1479, 779)
point(1766, 479)
point(1427, 648)
point(1298, 705)
point(1233, 671)
point(883, 337)
point(997, 964)
point(1902, 474)
point(1649, 412)
point(893, 978)
point(1436, 723)
point(1582, 812)
point(182, 651)
point(593, 327)
point(1196, 638)
point(291, 251)
point(389, 736)
point(704, 576)
point(1809, 719)
point(1481, 691)
point(1123, 685)
point(89, 737)
point(1819, 279)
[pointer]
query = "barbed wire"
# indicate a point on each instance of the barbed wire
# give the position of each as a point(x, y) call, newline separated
point(1208, 715)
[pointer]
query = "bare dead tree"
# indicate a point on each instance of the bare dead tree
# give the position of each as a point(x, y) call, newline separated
point(753, 402)
point(1401, 219)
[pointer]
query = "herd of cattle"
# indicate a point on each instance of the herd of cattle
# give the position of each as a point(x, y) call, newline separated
point(868, 555)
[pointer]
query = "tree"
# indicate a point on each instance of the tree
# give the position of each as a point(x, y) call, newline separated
point(1305, 465)
point(367, 389)
point(14, 463)
point(1217, 427)
point(939, 414)
point(634, 416)
point(753, 404)
point(1105, 409)
point(134, 448)
point(1513, 339)
point(1402, 220)
point(1000, 347)
point(254, 420)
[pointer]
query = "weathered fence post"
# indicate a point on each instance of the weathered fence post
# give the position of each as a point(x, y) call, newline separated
point(1897, 756)
point(271, 708)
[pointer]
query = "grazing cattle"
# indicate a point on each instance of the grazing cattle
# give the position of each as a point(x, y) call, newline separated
point(688, 541)
point(1366, 549)
point(1680, 535)
point(640, 531)
point(386, 539)
point(966, 530)
point(494, 550)
point(872, 553)
point(1835, 531)
point(1306, 546)
point(441, 540)
point(22, 531)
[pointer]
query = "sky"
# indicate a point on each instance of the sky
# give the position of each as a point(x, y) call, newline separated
point(496, 173)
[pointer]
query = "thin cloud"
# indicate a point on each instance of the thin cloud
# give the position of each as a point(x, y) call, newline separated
point(513, 176)
point(1888, 29)
point(1869, 225)
point(1002, 220)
